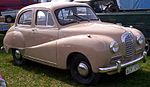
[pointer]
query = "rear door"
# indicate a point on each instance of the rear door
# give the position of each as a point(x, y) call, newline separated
point(24, 25)
point(45, 36)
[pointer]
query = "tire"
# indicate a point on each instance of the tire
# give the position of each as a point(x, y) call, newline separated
point(84, 78)
point(9, 19)
point(17, 57)
point(147, 48)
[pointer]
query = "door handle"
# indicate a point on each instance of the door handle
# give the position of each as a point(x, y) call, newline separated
point(34, 30)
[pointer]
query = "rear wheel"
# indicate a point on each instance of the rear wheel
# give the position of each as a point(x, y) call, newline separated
point(81, 70)
point(17, 57)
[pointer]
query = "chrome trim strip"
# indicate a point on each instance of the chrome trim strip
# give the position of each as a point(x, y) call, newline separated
point(108, 69)
point(39, 60)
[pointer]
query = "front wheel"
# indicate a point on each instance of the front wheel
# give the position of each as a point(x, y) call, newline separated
point(17, 57)
point(81, 70)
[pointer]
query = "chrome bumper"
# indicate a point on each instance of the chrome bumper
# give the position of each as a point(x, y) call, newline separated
point(119, 66)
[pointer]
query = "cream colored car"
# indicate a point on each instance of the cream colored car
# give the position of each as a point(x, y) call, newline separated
point(70, 36)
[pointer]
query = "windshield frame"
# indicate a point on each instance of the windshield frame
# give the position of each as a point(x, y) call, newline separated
point(56, 12)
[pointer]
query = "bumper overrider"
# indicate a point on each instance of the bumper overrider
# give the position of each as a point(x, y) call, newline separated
point(119, 65)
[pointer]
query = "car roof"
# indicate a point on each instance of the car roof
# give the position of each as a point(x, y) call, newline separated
point(54, 5)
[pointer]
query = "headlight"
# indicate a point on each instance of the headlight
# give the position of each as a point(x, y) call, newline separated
point(114, 46)
point(140, 39)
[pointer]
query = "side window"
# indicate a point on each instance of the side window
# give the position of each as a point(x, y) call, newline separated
point(41, 17)
point(44, 18)
point(25, 18)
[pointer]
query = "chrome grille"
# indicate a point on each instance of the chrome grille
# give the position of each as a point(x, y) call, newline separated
point(129, 45)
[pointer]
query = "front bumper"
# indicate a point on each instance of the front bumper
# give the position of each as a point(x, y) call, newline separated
point(119, 66)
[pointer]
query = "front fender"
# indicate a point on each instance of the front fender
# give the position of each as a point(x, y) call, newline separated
point(94, 47)
point(13, 39)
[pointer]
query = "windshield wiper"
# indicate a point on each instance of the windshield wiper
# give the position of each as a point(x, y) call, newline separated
point(81, 18)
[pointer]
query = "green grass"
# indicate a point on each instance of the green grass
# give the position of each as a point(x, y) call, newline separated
point(33, 74)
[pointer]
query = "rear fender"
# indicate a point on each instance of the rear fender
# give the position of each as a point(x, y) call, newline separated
point(13, 39)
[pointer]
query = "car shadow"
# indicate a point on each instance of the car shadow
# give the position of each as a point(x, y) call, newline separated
point(135, 79)
point(55, 73)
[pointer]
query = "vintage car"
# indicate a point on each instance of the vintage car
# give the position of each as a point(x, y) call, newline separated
point(134, 13)
point(70, 36)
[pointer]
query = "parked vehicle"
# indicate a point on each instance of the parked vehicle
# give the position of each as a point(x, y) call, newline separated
point(2, 19)
point(4, 27)
point(9, 8)
point(135, 13)
point(9, 15)
point(70, 36)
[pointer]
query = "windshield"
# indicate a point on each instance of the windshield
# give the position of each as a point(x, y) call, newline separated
point(133, 4)
point(74, 14)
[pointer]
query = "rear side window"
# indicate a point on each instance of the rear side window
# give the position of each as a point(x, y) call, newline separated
point(41, 18)
point(44, 18)
point(25, 18)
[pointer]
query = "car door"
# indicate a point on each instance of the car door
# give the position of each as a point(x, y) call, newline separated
point(24, 26)
point(45, 37)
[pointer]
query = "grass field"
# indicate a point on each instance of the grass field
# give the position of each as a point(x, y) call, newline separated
point(32, 74)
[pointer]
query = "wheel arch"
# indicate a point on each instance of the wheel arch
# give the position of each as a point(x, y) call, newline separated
point(13, 39)
point(71, 57)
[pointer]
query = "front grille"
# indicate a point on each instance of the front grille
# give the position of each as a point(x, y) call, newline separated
point(129, 45)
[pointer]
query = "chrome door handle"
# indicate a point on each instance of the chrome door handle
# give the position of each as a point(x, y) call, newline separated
point(34, 30)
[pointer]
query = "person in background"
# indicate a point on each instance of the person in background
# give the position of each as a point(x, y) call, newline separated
point(2, 82)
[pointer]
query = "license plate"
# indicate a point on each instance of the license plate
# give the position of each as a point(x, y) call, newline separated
point(132, 69)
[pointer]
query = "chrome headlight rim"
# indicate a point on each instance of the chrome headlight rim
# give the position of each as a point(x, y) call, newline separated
point(140, 39)
point(114, 46)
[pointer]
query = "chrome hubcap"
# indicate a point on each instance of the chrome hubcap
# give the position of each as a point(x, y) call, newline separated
point(17, 54)
point(83, 69)
point(147, 47)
